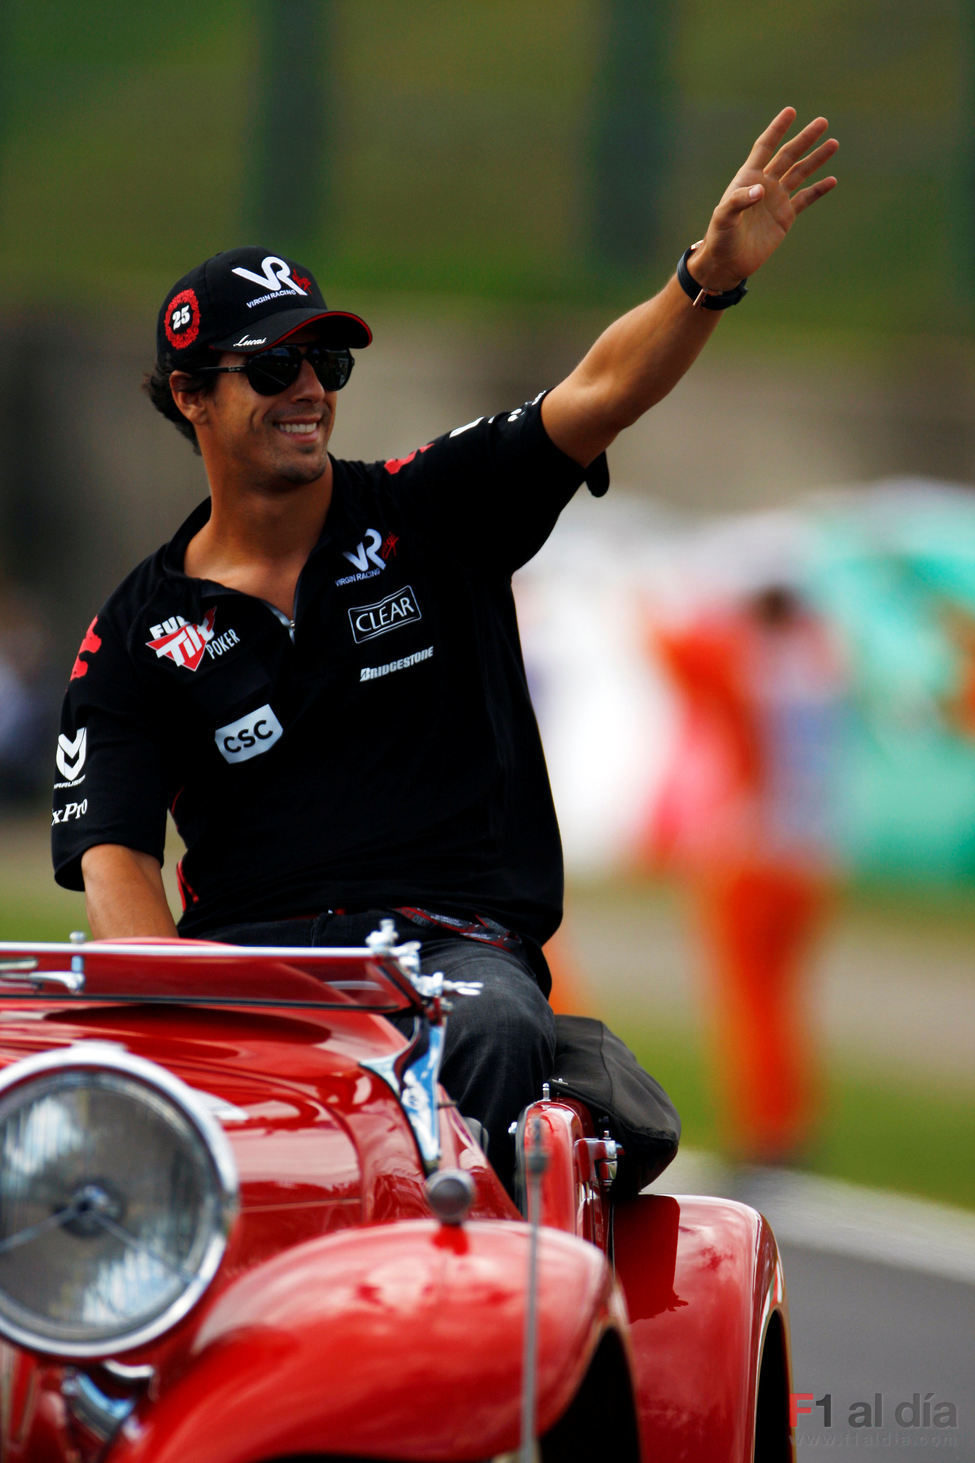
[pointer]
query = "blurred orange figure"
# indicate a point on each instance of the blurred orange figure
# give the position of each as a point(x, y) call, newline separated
point(958, 707)
point(746, 814)
point(569, 995)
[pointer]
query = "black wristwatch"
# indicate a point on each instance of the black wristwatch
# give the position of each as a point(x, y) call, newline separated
point(698, 295)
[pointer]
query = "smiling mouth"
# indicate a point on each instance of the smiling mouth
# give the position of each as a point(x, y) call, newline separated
point(298, 429)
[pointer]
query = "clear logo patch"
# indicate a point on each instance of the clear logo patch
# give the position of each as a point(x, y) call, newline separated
point(397, 609)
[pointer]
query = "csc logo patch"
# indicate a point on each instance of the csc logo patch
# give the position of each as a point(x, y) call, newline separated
point(249, 735)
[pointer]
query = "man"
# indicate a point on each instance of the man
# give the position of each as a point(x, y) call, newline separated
point(320, 674)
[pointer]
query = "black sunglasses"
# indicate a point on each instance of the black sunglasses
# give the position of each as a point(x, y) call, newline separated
point(276, 369)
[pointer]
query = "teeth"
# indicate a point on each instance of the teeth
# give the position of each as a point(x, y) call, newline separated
point(296, 429)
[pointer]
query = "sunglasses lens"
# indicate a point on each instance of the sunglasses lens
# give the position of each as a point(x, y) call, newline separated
point(333, 368)
point(274, 370)
point(278, 368)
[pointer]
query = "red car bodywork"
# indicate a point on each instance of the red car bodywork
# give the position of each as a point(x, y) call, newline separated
point(346, 1321)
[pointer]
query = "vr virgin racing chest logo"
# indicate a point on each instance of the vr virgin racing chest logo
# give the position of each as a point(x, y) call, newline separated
point(370, 557)
point(399, 608)
point(185, 644)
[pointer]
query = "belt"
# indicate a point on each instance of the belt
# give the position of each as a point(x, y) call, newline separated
point(487, 931)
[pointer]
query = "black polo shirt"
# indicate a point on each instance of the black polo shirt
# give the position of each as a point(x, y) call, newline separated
point(382, 750)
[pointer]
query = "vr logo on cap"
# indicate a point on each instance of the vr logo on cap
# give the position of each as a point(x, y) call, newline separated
point(277, 276)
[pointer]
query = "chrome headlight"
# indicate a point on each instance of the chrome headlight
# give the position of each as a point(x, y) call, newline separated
point(117, 1194)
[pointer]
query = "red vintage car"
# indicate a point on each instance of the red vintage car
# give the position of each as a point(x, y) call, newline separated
point(240, 1222)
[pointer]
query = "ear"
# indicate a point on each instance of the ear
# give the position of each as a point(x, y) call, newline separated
point(189, 397)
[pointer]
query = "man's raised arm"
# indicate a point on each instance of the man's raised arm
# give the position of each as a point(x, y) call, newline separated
point(643, 355)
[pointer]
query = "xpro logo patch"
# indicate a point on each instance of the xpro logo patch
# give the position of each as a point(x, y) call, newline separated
point(249, 735)
point(399, 608)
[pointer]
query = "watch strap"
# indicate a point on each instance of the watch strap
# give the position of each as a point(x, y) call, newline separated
point(703, 298)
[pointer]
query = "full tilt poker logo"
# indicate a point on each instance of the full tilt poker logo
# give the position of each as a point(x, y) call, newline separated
point(182, 643)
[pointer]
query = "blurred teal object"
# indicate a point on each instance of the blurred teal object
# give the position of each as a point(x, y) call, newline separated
point(893, 567)
point(907, 806)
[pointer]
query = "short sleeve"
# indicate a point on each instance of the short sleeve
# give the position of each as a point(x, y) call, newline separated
point(109, 780)
point(493, 488)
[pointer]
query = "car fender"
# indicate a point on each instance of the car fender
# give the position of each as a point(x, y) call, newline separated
point(705, 1292)
point(292, 1357)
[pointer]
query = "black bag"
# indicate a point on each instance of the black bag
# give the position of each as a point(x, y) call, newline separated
point(595, 1066)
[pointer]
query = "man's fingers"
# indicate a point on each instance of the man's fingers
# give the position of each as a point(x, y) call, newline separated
point(775, 178)
point(739, 199)
point(809, 195)
point(791, 152)
point(765, 145)
point(804, 167)
point(775, 158)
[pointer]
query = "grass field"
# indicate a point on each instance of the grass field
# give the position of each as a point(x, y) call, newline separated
point(905, 1134)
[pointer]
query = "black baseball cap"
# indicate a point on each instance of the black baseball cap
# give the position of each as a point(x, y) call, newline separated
point(247, 300)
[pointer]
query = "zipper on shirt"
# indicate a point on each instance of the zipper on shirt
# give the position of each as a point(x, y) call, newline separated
point(285, 620)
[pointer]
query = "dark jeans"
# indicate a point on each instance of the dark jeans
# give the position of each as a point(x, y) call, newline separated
point(500, 1044)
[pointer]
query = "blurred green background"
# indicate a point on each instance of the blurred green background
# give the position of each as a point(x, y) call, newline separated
point(555, 152)
point(488, 184)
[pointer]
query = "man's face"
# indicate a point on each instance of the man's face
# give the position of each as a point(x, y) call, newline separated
point(268, 441)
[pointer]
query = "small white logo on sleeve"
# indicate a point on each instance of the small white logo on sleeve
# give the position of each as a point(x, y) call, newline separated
point(70, 755)
point(69, 811)
point(249, 735)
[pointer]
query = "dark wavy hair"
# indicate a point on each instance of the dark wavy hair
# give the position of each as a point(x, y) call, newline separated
point(155, 384)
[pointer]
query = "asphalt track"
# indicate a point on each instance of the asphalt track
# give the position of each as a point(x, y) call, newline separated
point(882, 1303)
point(863, 1331)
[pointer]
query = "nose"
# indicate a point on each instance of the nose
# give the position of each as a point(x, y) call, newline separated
point(307, 387)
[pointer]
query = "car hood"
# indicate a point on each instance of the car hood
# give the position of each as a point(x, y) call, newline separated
point(286, 1086)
